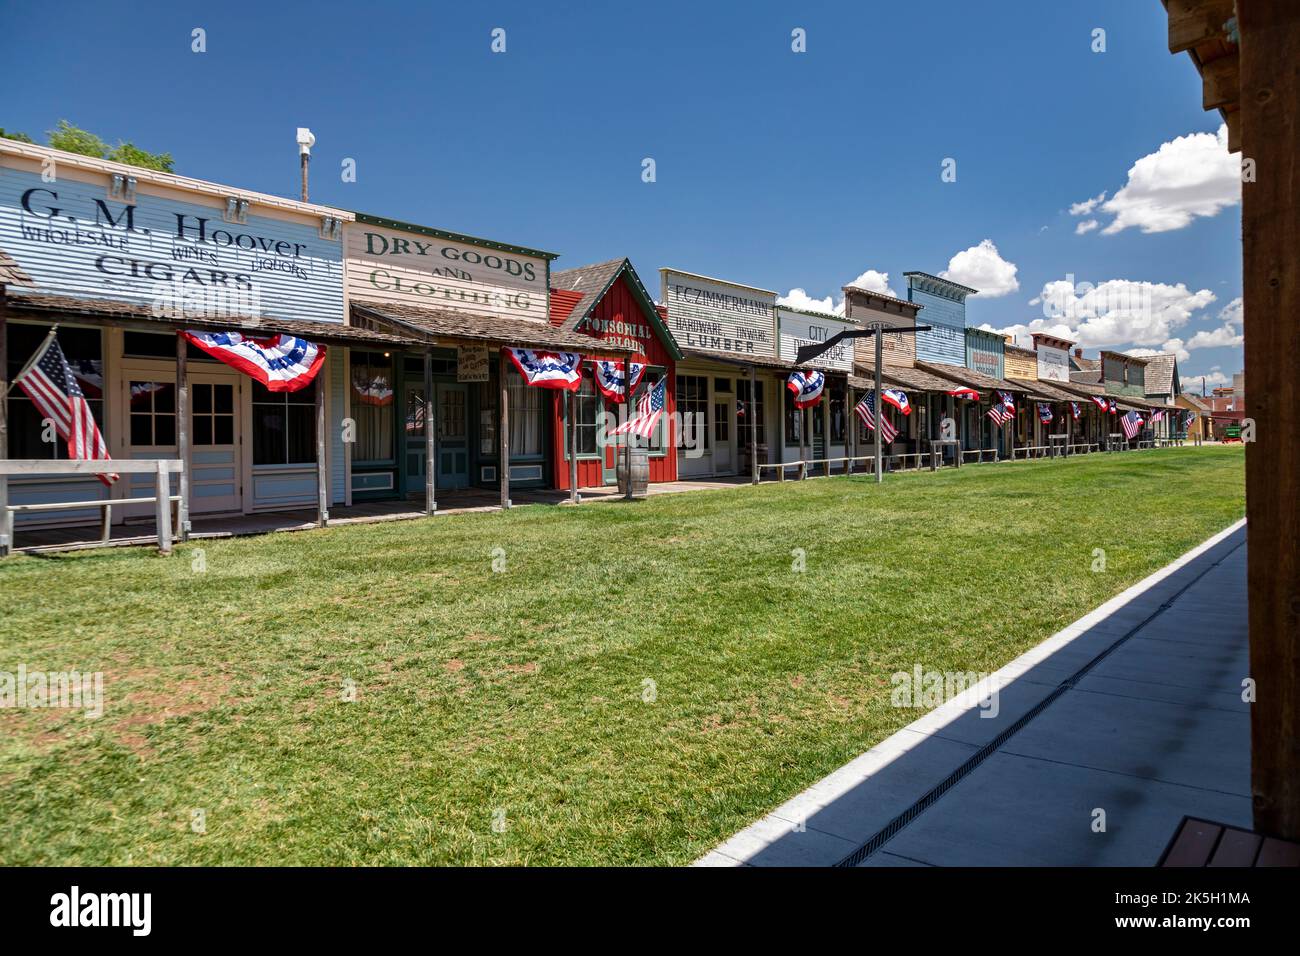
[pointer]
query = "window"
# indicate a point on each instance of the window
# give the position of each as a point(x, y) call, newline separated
point(721, 423)
point(156, 345)
point(451, 414)
point(284, 426)
point(153, 414)
point(793, 420)
point(487, 420)
point(837, 399)
point(525, 415)
point(212, 414)
point(693, 407)
point(373, 407)
point(743, 410)
point(83, 348)
point(587, 406)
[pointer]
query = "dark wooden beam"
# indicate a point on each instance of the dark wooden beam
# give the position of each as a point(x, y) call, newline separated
point(1195, 21)
point(1270, 228)
point(1219, 82)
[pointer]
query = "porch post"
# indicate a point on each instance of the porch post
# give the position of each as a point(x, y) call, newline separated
point(850, 428)
point(627, 410)
point(163, 508)
point(753, 423)
point(183, 438)
point(6, 520)
point(880, 405)
point(826, 429)
point(803, 441)
point(503, 432)
point(571, 417)
point(322, 471)
point(430, 439)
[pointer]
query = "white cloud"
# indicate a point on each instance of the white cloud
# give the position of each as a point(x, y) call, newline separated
point(1212, 378)
point(1189, 176)
point(874, 281)
point(1088, 205)
point(799, 299)
point(1088, 225)
point(982, 268)
point(1216, 338)
point(1116, 312)
point(1173, 347)
point(1232, 313)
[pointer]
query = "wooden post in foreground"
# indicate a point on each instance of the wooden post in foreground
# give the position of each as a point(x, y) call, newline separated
point(627, 412)
point(322, 442)
point(163, 508)
point(1270, 227)
point(753, 423)
point(182, 439)
point(503, 437)
point(6, 519)
point(826, 429)
point(572, 399)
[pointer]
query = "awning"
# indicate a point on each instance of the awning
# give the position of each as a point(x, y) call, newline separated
point(972, 379)
point(446, 327)
point(758, 361)
point(900, 376)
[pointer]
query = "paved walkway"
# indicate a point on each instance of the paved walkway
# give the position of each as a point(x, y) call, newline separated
point(1134, 710)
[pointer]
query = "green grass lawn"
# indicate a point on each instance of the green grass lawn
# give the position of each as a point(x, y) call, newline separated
point(522, 694)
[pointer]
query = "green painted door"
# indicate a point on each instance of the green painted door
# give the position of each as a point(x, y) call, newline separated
point(453, 438)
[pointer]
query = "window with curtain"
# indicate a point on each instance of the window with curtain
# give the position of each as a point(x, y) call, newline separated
point(793, 419)
point(373, 406)
point(658, 441)
point(84, 351)
point(587, 406)
point(743, 409)
point(526, 415)
point(284, 425)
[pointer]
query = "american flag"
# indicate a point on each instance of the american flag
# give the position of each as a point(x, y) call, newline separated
point(1157, 415)
point(1000, 415)
point(866, 410)
point(50, 383)
point(649, 409)
point(1131, 423)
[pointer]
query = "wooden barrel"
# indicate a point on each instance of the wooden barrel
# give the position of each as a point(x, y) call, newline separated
point(640, 472)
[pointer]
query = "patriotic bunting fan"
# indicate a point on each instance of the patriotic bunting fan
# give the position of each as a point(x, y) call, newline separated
point(1044, 412)
point(898, 398)
point(1075, 410)
point(1008, 401)
point(1101, 403)
point(968, 393)
point(562, 370)
point(283, 363)
point(807, 387)
point(609, 378)
point(1112, 407)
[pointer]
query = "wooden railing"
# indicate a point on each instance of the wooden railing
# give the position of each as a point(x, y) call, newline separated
point(162, 499)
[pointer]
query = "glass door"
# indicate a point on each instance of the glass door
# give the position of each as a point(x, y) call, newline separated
point(453, 441)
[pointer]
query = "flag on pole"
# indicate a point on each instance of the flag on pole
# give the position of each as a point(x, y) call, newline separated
point(967, 393)
point(1131, 423)
point(999, 414)
point(1008, 401)
point(649, 409)
point(866, 410)
point(1157, 415)
point(562, 370)
point(1044, 412)
point(610, 377)
point(898, 398)
point(807, 387)
point(283, 363)
point(1075, 410)
point(49, 382)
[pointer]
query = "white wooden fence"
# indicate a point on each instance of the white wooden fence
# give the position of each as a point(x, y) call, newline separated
point(162, 499)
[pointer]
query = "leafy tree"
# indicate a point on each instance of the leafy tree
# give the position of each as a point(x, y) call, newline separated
point(133, 155)
point(75, 140)
point(71, 139)
point(15, 135)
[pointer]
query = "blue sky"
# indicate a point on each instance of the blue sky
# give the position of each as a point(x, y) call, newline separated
point(780, 169)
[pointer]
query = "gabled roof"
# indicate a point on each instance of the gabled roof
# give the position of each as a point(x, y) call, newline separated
point(590, 283)
point(1085, 364)
point(1160, 374)
point(11, 273)
point(1087, 377)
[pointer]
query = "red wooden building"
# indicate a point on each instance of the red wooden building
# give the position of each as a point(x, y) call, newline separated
point(608, 302)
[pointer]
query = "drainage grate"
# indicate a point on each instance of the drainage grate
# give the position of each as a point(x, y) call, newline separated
point(892, 828)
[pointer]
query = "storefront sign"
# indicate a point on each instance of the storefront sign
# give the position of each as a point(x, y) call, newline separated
point(1053, 363)
point(171, 255)
point(619, 332)
point(471, 364)
point(717, 316)
point(803, 328)
point(422, 270)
